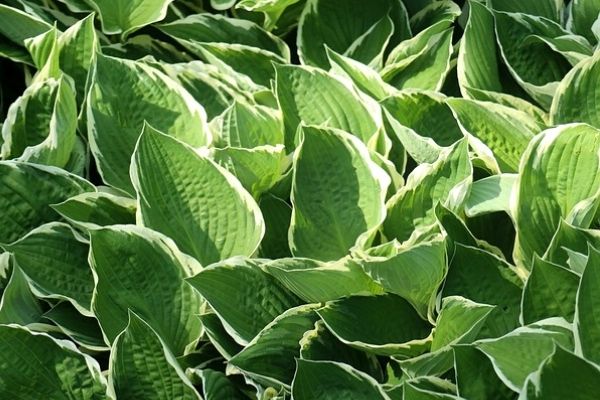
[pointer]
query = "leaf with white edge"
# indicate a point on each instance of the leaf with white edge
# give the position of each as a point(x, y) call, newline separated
point(258, 169)
point(121, 257)
point(414, 273)
point(557, 180)
point(584, 14)
point(36, 366)
point(216, 386)
point(493, 127)
point(434, 12)
point(429, 388)
point(328, 380)
point(272, 9)
point(364, 322)
point(94, 209)
point(484, 278)
point(338, 194)
point(197, 203)
point(126, 16)
point(16, 25)
point(123, 94)
point(83, 330)
point(19, 305)
point(345, 25)
point(54, 259)
point(218, 336)
point(490, 194)
point(550, 291)
point(568, 239)
point(550, 9)
point(315, 281)
point(40, 126)
point(578, 93)
point(249, 126)
point(521, 352)
point(563, 375)
point(26, 192)
point(271, 354)
point(244, 297)
point(142, 366)
point(586, 324)
point(445, 181)
point(314, 97)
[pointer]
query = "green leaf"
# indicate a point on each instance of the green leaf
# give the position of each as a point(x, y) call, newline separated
point(569, 238)
point(434, 12)
point(270, 355)
point(314, 281)
point(584, 13)
point(493, 127)
point(123, 95)
point(40, 125)
point(314, 97)
point(272, 9)
point(364, 322)
point(36, 366)
point(557, 180)
point(414, 273)
point(126, 16)
point(579, 84)
point(353, 28)
point(445, 181)
point(83, 330)
point(490, 194)
point(16, 25)
point(586, 323)
point(550, 9)
point(33, 188)
point(55, 262)
point(218, 336)
point(244, 297)
point(484, 278)
point(521, 352)
point(191, 199)
point(563, 375)
point(338, 194)
point(216, 386)
point(121, 256)
point(141, 365)
point(94, 209)
point(550, 291)
point(19, 305)
point(327, 380)
point(277, 214)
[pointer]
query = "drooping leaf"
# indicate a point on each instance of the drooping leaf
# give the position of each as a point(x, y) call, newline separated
point(216, 385)
point(19, 305)
point(94, 209)
point(83, 330)
point(491, 194)
point(188, 197)
point(125, 16)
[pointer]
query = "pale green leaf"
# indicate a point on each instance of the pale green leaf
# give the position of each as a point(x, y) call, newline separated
point(94, 209)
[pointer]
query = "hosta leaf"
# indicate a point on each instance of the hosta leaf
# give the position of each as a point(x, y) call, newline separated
point(36, 366)
point(125, 16)
point(244, 297)
point(579, 84)
point(490, 194)
point(121, 257)
point(415, 273)
point(328, 380)
point(338, 194)
point(429, 387)
point(503, 130)
point(550, 9)
point(314, 97)
point(16, 25)
point(563, 375)
point(85, 331)
point(534, 65)
point(320, 344)
point(40, 126)
point(124, 94)
point(434, 12)
point(314, 281)
point(188, 197)
point(345, 26)
point(521, 352)
point(586, 323)
point(272, 9)
point(94, 209)
point(569, 238)
point(26, 192)
point(484, 278)
point(249, 126)
point(277, 214)
point(19, 305)
point(216, 386)
point(550, 291)
point(55, 261)
point(218, 336)
point(141, 365)
point(446, 181)
point(557, 180)
point(584, 13)
point(257, 169)
point(271, 354)
point(364, 322)
point(214, 28)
